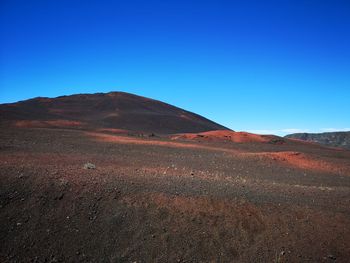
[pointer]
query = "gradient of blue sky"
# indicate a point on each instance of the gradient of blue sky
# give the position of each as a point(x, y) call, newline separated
point(250, 65)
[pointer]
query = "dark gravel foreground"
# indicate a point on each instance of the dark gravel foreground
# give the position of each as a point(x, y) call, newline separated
point(154, 200)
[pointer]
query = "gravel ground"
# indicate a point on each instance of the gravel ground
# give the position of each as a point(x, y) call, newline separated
point(87, 196)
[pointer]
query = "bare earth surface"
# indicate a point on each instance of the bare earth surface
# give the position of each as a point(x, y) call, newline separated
point(185, 198)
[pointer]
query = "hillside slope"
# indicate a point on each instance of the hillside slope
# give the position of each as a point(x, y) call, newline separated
point(116, 110)
point(334, 139)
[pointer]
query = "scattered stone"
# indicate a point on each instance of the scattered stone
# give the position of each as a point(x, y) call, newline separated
point(59, 196)
point(92, 218)
point(63, 182)
point(89, 166)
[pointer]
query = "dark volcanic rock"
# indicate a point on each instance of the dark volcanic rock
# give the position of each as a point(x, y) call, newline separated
point(334, 139)
point(117, 110)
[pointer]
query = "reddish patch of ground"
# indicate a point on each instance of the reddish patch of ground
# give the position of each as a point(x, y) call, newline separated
point(114, 131)
point(102, 137)
point(303, 161)
point(224, 135)
point(48, 124)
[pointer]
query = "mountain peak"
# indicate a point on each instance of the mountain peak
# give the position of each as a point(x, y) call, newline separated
point(119, 110)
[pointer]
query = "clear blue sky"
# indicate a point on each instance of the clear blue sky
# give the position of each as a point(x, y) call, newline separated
point(265, 66)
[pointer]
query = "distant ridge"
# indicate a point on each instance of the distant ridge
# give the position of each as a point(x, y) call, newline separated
point(117, 110)
point(334, 139)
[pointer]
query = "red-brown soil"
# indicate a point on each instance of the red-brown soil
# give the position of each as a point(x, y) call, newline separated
point(48, 124)
point(156, 199)
point(225, 135)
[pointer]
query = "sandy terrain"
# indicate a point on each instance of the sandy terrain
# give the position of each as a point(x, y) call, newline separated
point(193, 198)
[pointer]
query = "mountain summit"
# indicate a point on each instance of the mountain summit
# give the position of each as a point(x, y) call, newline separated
point(117, 110)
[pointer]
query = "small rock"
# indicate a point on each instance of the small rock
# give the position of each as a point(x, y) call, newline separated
point(332, 257)
point(59, 196)
point(63, 182)
point(92, 218)
point(89, 166)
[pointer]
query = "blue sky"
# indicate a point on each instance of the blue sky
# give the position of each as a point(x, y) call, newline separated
point(264, 66)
